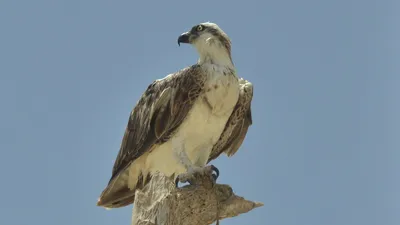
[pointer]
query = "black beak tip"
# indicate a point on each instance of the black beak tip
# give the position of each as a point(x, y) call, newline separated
point(183, 38)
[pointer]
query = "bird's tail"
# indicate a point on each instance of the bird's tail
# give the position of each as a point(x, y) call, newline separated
point(117, 193)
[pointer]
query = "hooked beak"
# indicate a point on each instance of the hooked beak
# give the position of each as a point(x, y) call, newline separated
point(184, 38)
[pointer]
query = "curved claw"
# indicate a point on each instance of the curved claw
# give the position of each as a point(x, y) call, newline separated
point(176, 181)
point(216, 170)
point(181, 179)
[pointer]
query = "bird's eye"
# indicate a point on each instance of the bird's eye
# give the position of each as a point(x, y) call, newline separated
point(199, 28)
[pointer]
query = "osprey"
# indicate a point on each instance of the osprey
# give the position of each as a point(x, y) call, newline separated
point(184, 120)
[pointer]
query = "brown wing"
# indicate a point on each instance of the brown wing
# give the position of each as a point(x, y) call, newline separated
point(237, 125)
point(158, 113)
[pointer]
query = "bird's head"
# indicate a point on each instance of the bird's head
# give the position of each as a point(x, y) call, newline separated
point(212, 44)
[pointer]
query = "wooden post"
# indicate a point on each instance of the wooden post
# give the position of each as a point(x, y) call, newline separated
point(201, 203)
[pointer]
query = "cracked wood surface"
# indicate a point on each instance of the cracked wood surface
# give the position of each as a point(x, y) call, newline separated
point(201, 203)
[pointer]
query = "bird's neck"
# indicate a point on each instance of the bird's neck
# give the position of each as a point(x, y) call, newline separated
point(215, 55)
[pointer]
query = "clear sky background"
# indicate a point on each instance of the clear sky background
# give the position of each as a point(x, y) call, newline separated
point(324, 146)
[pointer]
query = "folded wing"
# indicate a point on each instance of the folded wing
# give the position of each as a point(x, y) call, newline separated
point(156, 116)
point(238, 123)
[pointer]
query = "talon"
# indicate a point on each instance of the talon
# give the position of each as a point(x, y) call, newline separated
point(176, 181)
point(182, 178)
point(214, 177)
point(216, 170)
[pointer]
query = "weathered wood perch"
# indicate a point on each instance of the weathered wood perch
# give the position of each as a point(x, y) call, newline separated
point(202, 203)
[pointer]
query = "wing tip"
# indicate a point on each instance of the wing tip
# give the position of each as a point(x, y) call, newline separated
point(101, 203)
point(109, 203)
point(117, 196)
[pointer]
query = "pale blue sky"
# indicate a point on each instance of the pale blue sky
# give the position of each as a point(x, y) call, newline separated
point(324, 146)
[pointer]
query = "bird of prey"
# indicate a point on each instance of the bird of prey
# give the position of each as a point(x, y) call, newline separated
point(183, 121)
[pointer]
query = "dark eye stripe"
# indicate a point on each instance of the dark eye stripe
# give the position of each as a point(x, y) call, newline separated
point(213, 32)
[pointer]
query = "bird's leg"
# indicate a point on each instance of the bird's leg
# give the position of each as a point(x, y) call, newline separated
point(195, 172)
point(191, 168)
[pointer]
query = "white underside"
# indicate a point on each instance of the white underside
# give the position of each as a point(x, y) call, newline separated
point(198, 133)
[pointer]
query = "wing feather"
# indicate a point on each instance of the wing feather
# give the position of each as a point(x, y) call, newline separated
point(237, 125)
point(156, 116)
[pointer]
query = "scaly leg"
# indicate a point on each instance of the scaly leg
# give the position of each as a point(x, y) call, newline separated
point(180, 154)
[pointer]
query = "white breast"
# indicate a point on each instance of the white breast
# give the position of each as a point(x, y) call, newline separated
point(221, 91)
